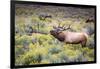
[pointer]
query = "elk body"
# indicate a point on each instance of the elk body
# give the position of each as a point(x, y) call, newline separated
point(90, 20)
point(69, 37)
point(44, 16)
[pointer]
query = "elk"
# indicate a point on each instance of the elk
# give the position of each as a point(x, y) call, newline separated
point(44, 16)
point(69, 37)
point(90, 20)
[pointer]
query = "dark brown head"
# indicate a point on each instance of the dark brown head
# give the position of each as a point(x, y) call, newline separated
point(57, 30)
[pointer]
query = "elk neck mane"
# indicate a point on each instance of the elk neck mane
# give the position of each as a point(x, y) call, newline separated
point(60, 36)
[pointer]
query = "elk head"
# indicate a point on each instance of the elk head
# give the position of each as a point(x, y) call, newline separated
point(57, 32)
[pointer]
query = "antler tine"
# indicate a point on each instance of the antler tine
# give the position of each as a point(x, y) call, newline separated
point(69, 27)
point(59, 24)
point(65, 28)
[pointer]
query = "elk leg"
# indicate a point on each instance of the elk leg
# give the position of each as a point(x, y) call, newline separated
point(83, 43)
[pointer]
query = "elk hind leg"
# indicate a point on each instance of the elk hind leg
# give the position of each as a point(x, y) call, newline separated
point(83, 43)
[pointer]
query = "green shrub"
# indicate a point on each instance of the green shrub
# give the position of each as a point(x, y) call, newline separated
point(55, 49)
point(22, 40)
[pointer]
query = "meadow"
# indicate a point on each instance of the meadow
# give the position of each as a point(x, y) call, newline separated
point(35, 45)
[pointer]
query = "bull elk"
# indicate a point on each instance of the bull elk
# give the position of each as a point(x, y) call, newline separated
point(69, 37)
point(44, 16)
point(90, 20)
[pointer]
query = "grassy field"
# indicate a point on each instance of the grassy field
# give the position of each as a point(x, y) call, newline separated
point(35, 45)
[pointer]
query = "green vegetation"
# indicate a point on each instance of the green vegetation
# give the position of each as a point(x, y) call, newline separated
point(35, 45)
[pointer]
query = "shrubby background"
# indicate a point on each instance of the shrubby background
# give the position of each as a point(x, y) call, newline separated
point(35, 45)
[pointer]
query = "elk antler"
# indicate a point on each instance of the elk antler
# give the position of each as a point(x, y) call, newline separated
point(59, 25)
point(66, 28)
point(63, 27)
point(69, 27)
